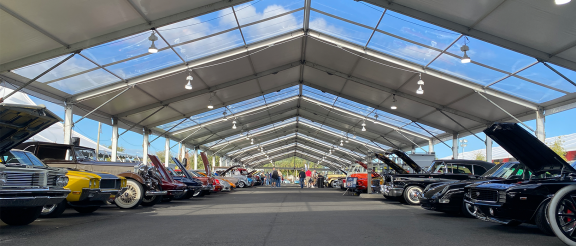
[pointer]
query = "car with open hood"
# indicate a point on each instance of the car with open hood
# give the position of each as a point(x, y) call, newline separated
point(169, 184)
point(449, 196)
point(511, 202)
point(237, 173)
point(181, 174)
point(408, 186)
point(141, 180)
point(359, 171)
point(26, 184)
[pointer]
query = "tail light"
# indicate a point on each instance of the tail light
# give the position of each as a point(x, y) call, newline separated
point(216, 181)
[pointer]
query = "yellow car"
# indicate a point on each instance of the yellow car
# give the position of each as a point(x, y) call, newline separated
point(332, 180)
point(89, 190)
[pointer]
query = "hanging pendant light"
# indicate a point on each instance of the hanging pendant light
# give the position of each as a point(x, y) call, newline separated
point(152, 48)
point(252, 141)
point(225, 118)
point(189, 78)
point(393, 102)
point(210, 104)
point(420, 91)
point(234, 126)
point(465, 58)
point(363, 126)
point(420, 83)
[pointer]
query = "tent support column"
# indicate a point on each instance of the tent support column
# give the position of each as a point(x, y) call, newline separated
point(195, 157)
point(68, 126)
point(213, 161)
point(488, 149)
point(220, 161)
point(114, 139)
point(98, 140)
point(455, 146)
point(413, 149)
point(167, 152)
point(540, 120)
point(430, 146)
point(145, 145)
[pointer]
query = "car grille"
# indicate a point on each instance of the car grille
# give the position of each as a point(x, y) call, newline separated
point(110, 183)
point(51, 180)
point(18, 179)
point(484, 195)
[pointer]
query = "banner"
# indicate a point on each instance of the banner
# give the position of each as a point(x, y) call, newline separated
point(351, 182)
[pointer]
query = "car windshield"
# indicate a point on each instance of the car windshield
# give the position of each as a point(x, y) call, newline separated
point(436, 167)
point(85, 154)
point(507, 171)
point(13, 157)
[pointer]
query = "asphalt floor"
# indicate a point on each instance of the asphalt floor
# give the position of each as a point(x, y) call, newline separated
point(266, 216)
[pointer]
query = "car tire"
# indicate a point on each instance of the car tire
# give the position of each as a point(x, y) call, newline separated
point(468, 210)
point(20, 216)
point(410, 195)
point(542, 220)
point(241, 185)
point(55, 210)
point(198, 193)
point(132, 197)
point(149, 201)
point(556, 206)
point(86, 210)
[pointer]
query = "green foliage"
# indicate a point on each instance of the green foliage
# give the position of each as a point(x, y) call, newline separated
point(118, 148)
point(292, 162)
point(479, 156)
point(558, 147)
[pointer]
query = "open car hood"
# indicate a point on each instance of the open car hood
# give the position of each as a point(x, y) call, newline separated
point(391, 163)
point(366, 167)
point(181, 167)
point(407, 160)
point(206, 164)
point(228, 170)
point(527, 149)
point(20, 122)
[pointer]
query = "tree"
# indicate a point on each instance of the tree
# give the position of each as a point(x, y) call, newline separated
point(558, 147)
point(160, 155)
point(118, 148)
point(479, 156)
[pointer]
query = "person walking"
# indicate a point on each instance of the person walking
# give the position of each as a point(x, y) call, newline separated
point(302, 176)
point(274, 177)
point(279, 179)
point(314, 178)
point(308, 178)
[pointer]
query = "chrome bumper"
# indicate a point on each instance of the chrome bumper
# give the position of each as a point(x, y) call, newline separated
point(156, 193)
point(390, 191)
point(92, 195)
point(31, 197)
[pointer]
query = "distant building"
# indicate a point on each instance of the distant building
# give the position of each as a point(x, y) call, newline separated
point(499, 155)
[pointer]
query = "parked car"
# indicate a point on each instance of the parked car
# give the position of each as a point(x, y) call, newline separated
point(207, 183)
point(26, 184)
point(362, 177)
point(182, 175)
point(449, 196)
point(236, 173)
point(560, 214)
point(406, 187)
point(171, 186)
point(142, 180)
point(332, 180)
point(511, 202)
point(216, 184)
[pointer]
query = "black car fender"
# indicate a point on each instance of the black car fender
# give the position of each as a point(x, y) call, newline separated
point(544, 202)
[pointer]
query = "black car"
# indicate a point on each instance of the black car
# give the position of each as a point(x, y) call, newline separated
point(407, 187)
point(449, 196)
point(511, 202)
point(185, 177)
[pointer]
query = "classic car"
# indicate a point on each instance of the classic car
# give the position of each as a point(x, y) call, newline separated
point(449, 196)
point(171, 186)
point(332, 180)
point(406, 187)
point(222, 173)
point(236, 173)
point(207, 183)
point(183, 176)
point(511, 202)
point(362, 177)
point(142, 180)
point(217, 186)
point(26, 184)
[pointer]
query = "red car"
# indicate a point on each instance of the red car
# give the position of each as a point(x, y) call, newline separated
point(361, 186)
point(173, 187)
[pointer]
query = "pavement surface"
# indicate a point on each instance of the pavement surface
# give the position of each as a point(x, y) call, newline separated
point(266, 216)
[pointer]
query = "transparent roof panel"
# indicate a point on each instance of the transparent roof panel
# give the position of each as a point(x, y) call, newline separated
point(570, 74)
point(358, 12)
point(209, 46)
point(468, 71)
point(402, 49)
point(318, 95)
point(526, 90)
point(544, 75)
point(340, 29)
point(492, 55)
point(145, 64)
point(74, 65)
point(353, 106)
point(417, 30)
point(283, 94)
point(273, 27)
point(258, 10)
point(122, 49)
point(85, 81)
point(201, 26)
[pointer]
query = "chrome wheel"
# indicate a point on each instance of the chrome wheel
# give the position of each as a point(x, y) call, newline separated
point(411, 195)
point(562, 214)
point(48, 209)
point(132, 197)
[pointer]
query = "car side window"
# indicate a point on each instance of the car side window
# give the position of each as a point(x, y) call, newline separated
point(478, 170)
point(460, 169)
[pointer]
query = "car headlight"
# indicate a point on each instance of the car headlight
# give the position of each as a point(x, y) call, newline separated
point(2, 178)
point(61, 181)
point(94, 184)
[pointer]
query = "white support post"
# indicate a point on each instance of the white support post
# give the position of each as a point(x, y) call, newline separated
point(413, 149)
point(195, 157)
point(68, 123)
point(145, 145)
point(182, 152)
point(114, 139)
point(455, 146)
point(220, 161)
point(98, 141)
point(213, 161)
point(369, 172)
point(488, 149)
point(167, 152)
point(540, 120)
point(430, 146)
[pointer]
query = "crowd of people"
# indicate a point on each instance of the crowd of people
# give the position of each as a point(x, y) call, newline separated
point(306, 178)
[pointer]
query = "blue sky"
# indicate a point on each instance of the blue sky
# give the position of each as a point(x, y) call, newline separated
point(398, 35)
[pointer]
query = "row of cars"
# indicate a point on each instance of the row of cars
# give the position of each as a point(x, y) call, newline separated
point(538, 189)
point(43, 179)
